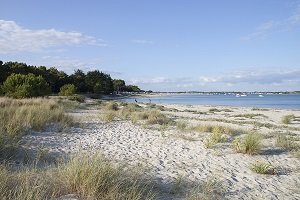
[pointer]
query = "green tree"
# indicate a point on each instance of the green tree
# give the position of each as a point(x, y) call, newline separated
point(99, 82)
point(78, 79)
point(22, 86)
point(119, 85)
point(132, 88)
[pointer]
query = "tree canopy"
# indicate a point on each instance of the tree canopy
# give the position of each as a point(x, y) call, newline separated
point(91, 82)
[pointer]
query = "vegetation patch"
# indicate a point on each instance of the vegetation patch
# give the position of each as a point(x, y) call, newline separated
point(287, 119)
point(262, 168)
point(250, 116)
point(286, 142)
point(89, 177)
point(67, 90)
point(250, 144)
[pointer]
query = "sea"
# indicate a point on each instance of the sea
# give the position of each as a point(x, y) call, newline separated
point(280, 101)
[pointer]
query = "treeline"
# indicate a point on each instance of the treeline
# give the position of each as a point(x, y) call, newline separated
point(51, 80)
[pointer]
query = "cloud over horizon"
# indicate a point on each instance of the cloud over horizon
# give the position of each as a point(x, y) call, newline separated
point(14, 38)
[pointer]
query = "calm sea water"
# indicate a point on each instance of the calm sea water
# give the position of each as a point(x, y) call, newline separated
point(267, 101)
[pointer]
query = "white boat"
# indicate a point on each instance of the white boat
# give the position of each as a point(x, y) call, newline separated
point(237, 95)
point(261, 95)
point(243, 95)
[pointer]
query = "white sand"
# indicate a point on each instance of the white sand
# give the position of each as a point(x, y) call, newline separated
point(167, 155)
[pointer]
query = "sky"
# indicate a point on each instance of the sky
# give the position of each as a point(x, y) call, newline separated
point(169, 45)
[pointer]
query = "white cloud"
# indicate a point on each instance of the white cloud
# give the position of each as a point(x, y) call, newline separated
point(264, 29)
point(137, 41)
point(14, 38)
point(254, 77)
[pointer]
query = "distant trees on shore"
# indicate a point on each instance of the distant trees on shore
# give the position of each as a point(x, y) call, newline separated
point(28, 81)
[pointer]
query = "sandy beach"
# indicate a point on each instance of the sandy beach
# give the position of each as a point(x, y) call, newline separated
point(173, 155)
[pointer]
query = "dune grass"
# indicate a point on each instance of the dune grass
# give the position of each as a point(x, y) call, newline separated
point(287, 119)
point(211, 189)
point(262, 168)
point(89, 177)
point(215, 138)
point(250, 144)
point(181, 125)
point(18, 117)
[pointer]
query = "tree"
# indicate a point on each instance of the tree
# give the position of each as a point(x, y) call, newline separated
point(132, 88)
point(119, 85)
point(99, 82)
point(67, 90)
point(78, 79)
point(22, 86)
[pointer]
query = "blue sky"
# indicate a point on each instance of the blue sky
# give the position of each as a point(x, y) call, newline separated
point(170, 45)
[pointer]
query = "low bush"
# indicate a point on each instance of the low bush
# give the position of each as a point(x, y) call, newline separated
point(78, 98)
point(67, 90)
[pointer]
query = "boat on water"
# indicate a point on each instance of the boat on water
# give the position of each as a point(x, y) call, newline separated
point(261, 95)
point(243, 95)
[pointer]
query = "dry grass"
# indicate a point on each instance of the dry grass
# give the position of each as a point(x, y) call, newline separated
point(112, 106)
point(89, 177)
point(287, 119)
point(156, 117)
point(215, 138)
point(109, 116)
point(181, 125)
point(286, 142)
point(250, 116)
point(19, 116)
point(250, 144)
point(212, 189)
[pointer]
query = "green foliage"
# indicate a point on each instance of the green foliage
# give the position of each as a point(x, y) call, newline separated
point(92, 82)
point(132, 88)
point(22, 86)
point(119, 85)
point(99, 82)
point(67, 90)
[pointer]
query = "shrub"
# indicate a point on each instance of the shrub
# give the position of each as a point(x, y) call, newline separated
point(77, 98)
point(262, 168)
point(287, 119)
point(250, 144)
point(67, 90)
point(22, 86)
